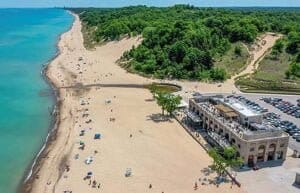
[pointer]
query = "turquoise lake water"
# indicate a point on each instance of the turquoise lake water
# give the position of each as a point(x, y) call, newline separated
point(28, 39)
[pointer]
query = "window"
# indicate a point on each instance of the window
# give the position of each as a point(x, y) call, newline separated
point(280, 155)
point(239, 146)
point(252, 149)
point(232, 140)
point(282, 145)
point(272, 146)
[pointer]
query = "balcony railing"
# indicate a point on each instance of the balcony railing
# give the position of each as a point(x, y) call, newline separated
point(236, 128)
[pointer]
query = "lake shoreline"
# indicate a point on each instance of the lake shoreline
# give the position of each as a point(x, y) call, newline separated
point(28, 178)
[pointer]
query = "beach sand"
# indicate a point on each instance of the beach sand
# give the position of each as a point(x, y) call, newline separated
point(159, 153)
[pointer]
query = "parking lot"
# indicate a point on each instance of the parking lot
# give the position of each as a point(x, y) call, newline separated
point(256, 99)
point(272, 178)
point(283, 116)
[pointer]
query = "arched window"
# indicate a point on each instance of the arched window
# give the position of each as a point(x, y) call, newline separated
point(261, 153)
point(272, 146)
point(271, 151)
point(227, 136)
point(261, 147)
point(232, 140)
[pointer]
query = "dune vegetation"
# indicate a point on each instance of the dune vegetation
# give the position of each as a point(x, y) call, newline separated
point(186, 42)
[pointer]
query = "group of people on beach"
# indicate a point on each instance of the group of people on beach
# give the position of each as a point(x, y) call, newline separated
point(94, 183)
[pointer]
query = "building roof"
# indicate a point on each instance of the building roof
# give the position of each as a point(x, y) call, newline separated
point(223, 108)
point(231, 114)
point(195, 118)
point(227, 111)
point(241, 108)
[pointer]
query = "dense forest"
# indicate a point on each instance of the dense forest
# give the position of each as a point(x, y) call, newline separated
point(183, 41)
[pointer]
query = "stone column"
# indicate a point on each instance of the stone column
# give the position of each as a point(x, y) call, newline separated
point(297, 179)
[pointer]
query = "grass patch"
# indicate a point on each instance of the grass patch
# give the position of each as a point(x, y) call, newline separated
point(273, 69)
point(88, 36)
point(231, 62)
point(164, 87)
point(270, 77)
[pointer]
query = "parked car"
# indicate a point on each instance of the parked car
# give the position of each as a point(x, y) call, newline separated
point(296, 135)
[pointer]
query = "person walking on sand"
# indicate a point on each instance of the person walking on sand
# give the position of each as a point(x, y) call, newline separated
point(94, 184)
point(150, 186)
point(196, 186)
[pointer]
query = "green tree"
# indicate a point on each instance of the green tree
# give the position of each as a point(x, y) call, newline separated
point(166, 101)
point(161, 100)
point(218, 74)
point(172, 102)
point(278, 46)
point(238, 50)
point(223, 159)
point(293, 44)
point(177, 51)
point(115, 29)
point(298, 58)
point(219, 164)
point(153, 89)
point(182, 41)
point(295, 69)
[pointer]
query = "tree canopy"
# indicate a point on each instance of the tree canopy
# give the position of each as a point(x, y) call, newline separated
point(166, 100)
point(224, 158)
point(182, 41)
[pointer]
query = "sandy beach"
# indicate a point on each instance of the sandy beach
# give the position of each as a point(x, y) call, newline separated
point(161, 156)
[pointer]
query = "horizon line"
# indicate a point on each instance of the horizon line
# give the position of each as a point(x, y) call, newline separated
point(62, 7)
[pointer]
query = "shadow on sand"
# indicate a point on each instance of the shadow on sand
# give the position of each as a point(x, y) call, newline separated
point(157, 117)
point(212, 179)
point(150, 100)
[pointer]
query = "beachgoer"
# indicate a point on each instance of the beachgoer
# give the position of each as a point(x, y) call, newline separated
point(150, 186)
point(94, 184)
point(195, 186)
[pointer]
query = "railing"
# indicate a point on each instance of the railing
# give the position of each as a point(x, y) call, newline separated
point(206, 148)
point(237, 129)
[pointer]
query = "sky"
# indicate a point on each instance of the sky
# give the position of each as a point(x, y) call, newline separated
point(121, 3)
